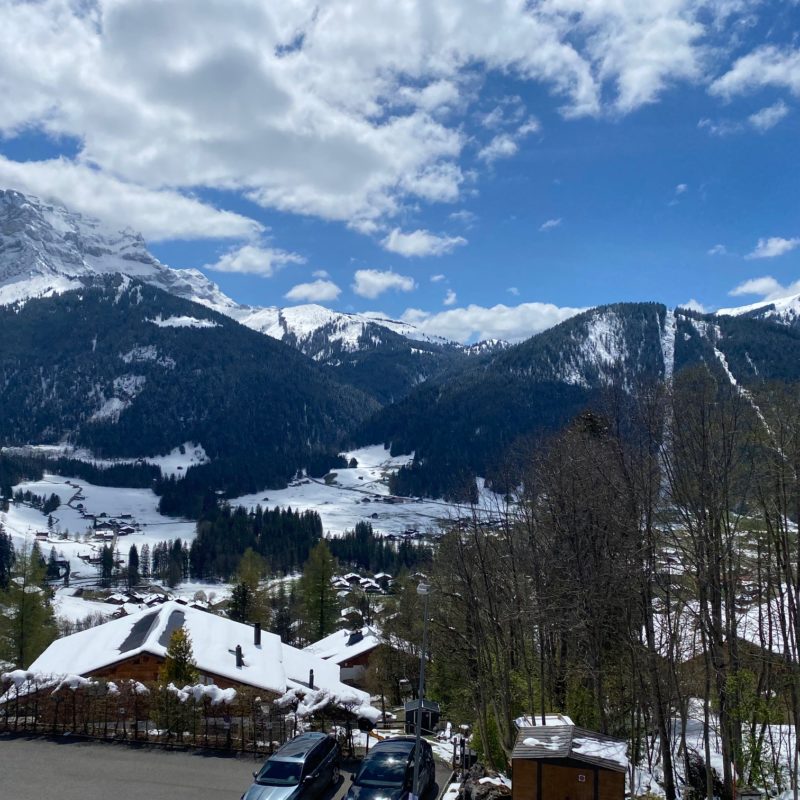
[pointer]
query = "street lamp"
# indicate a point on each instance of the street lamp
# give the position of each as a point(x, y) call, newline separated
point(422, 589)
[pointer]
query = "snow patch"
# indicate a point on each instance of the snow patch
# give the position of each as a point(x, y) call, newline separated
point(183, 322)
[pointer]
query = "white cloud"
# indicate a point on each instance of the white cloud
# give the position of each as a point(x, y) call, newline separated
point(513, 290)
point(767, 65)
point(361, 118)
point(314, 292)
point(437, 278)
point(765, 286)
point(372, 282)
point(255, 260)
point(157, 214)
point(450, 299)
point(549, 224)
point(681, 188)
point(320, 273)
point(463, 216)
point(420, 243)
point(773, 246)
point(695, 305)
point(769, 116)
point(512, 323)
point(718, 250)
point(501, 146)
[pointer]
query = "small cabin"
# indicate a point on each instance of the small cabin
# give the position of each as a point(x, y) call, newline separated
point(564, 762)
point(430, 716)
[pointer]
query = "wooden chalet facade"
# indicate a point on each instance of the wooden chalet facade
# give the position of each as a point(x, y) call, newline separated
point(564, 762)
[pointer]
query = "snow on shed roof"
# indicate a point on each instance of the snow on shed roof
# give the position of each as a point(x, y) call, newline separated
point(345, 644)
point(569, 741)
point(273, 666)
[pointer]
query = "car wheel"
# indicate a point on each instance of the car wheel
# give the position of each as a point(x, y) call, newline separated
point(335, 776)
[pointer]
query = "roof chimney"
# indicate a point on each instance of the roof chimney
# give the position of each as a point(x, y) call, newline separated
point(239, 659)
point(311, 679)
point(257, 634)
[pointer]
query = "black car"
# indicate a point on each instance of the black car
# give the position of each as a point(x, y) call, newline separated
point(300, 770)
point(387, 772)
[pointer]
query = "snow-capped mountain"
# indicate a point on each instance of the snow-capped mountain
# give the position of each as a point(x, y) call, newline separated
point(784, 311)
point(46, 250)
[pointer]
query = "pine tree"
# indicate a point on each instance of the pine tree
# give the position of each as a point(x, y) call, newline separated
point(144, 561)
point(133, 567)
point(6, 558)
point(27, 625)
point(52, 565)
point(106, 566)
point(239, 605)
point(319, 597)
point(179, 667)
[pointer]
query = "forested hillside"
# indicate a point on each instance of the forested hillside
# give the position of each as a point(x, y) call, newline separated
point(129, 370)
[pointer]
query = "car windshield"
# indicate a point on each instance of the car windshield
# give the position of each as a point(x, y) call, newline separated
point(383, 769)
point(280, 773)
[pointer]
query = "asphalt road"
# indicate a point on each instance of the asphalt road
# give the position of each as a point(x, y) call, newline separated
point(33, 769)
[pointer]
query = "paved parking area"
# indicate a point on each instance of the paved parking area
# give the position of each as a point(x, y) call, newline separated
point(31, 769)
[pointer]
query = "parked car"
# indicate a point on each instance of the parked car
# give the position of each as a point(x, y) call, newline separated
point(302, 769)
point(387, 772)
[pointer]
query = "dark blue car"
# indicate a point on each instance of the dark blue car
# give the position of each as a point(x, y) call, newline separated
point(387, 772)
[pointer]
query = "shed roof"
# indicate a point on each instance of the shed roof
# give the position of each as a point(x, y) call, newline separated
point(570, 741)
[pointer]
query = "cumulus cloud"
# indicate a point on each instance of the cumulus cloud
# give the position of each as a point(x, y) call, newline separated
point(371, 283)
point(313, 110)
point(512, 323)
point(157, 214)
point(769, 117)
point(766, 287)
point(318, 291)
point(694, 305)
point(254, 260)
point(549, 224)
point(420, 243)
point(773, 246)
point(767, 65)
point(681, 188)
point(718, 250)
point(450, 299)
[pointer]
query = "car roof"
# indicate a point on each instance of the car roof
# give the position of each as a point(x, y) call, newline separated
point(400, 744)
point(299, 747)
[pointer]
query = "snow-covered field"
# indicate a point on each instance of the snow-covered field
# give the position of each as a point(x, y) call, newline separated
point(362, 493)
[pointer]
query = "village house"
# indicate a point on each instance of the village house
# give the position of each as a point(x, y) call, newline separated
point(350, 650)
point(228, 654)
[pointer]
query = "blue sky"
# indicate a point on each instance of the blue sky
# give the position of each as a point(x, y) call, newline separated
point(479, 168)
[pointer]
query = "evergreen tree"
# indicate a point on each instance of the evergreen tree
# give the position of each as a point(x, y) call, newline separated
point(239, 605)
point(252, 569)
point(179, 667)
point(52, 565)
point(282, 615)
point(6, 558)
point(144, 561)
point(106, 566)
point(133, 567)
point(319, 597)
point(27, 624)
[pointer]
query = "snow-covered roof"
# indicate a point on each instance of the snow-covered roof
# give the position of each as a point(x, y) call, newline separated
point(569, 741)
point(345, 644)
point(273, 665)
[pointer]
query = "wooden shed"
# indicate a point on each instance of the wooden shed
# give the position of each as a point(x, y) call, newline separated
point(564, 762)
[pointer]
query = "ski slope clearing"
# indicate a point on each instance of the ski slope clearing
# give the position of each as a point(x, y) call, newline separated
point(347, 496)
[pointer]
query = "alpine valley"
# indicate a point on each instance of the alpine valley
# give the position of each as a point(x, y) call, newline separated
point(106, 349)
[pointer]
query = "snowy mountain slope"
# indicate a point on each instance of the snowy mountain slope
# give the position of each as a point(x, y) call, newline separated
point(784, 311)
point(46, 250)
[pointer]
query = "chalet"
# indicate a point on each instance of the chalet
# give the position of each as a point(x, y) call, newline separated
point(227, 653)
point(41, 536)
point(556, 762)
point(350, 650)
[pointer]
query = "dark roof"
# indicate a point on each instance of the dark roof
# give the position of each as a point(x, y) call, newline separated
point(298, 747)
point(427, 705)
point(569, 741)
